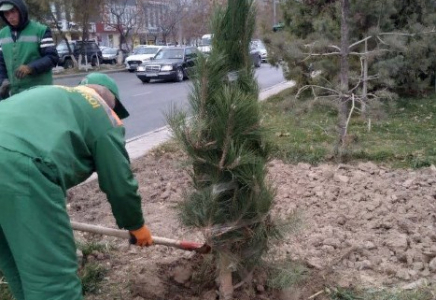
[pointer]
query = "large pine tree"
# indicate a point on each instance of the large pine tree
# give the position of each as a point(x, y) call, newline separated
point(403, 30)
point(362, 51)
point(231, 199)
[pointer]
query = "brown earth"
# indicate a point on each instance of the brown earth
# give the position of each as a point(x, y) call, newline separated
point(361, 225)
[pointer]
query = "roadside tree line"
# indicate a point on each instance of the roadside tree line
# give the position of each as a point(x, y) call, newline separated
point(184, 21)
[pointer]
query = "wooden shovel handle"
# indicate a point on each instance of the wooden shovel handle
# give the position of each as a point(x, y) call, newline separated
point(124, 234)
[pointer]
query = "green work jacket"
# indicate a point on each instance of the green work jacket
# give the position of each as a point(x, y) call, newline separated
point(71, 133)
point(22, 52)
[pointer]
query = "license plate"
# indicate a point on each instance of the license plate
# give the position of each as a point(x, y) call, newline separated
point(134, 65)
point(151, 74)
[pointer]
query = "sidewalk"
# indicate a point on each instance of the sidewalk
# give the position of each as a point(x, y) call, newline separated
point(60, 73)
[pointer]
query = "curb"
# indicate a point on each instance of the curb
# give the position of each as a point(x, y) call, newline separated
point(84, 73)
point(275, 89)
point(138, 146)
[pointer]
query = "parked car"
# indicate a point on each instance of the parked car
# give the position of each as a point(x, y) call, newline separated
point(102, 48)
point(255, 53)
point(110, 55)
point(140, 54)
point(259, 46)
point(64, 54)
point(171, 63)
point(88, 49)
point(206, 43)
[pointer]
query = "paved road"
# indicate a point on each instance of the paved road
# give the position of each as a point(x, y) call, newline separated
point(148, 103)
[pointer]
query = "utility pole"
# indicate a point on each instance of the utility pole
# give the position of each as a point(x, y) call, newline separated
point(274, 12)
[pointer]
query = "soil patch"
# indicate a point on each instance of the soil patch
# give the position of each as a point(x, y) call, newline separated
point(362, 225)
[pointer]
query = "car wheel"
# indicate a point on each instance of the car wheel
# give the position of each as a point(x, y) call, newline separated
point(145, 80)
point(68, 64)
point(94, 61)
point(258, 62)
point(179, 75)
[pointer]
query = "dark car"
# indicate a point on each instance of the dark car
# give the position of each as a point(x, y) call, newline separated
point(170, 63)
point(87, 49)
point(110, 55)
point(64, 54)
point(90, 50)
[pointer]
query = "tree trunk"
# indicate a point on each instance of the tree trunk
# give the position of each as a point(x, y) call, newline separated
point(365, 82)
point(343, 105)
point(225, 278)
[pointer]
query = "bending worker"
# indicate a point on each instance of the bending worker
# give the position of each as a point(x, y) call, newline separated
point(51, 139)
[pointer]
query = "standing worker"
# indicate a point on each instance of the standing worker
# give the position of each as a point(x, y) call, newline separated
point(51, 139)
point(27, 51)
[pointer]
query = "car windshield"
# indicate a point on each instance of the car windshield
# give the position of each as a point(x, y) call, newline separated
point(206, 41)
point(145, 50)
point(170, 54)
point(257, 44)
point(62, 47)
point(109, 51)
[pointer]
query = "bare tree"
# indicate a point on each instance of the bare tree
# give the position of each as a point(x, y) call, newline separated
point(170, 14)
point(197, 21)
point(126, 17)
point(84, 12)
point(344, 88)
point(58, 9)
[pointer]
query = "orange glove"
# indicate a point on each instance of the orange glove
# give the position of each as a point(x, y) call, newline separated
point(22, 71)
point(141, 237)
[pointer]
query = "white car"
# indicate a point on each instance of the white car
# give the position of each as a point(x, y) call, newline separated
point(206, 43)
point(139, 55)
point(257, 45)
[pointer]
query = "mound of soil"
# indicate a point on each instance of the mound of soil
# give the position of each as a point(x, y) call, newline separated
point(361, 225)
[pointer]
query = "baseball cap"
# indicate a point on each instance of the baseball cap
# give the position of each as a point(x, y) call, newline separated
point(106, 81)
point(6, 6)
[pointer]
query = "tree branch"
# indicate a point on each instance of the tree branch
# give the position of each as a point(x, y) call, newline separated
point(358, 42)
point(315, 86)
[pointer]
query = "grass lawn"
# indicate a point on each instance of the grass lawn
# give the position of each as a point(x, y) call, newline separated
point(402, 133)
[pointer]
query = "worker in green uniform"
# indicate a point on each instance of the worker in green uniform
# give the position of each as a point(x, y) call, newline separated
point(51, 139)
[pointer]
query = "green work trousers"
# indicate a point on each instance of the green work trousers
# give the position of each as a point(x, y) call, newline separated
point(37, 249)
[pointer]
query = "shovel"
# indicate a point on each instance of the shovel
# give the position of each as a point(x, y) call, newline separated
point(124, 234)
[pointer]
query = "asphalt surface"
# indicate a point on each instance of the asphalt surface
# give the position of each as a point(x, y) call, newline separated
point(149, 103)
point(140, 145)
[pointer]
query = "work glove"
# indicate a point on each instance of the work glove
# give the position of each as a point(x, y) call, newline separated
point(22, 71)
point(5, 87)
point(141, 237)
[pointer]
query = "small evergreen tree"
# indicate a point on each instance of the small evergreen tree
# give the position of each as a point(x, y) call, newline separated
point(231, 199)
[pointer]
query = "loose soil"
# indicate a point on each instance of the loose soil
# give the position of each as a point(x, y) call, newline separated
point(361, 225)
